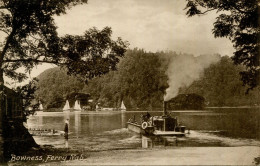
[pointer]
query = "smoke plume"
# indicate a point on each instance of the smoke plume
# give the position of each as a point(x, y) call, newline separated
point(184, 69)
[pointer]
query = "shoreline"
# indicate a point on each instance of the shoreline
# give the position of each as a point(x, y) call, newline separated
point(156, 110)
point(235, 107)
point(177, 156)
point(243, 155)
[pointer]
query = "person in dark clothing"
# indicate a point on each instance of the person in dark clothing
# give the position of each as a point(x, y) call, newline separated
point(148, 115)
point(66, 135)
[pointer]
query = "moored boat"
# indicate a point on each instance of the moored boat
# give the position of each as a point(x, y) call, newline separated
point(164, 125)
point(40, 107)
point(66, 107)
point(122, 107)
point(45, 132)
point(77, 107)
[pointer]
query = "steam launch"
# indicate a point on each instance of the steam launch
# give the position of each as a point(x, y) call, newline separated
point(164, 125)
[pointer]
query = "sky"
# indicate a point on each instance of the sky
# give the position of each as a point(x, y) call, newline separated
point(154, 25)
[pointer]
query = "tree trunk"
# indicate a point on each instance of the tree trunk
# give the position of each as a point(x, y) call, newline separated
point(1, 114)
point(2, 54)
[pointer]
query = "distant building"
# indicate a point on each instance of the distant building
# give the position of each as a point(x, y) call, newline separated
point(186, 102)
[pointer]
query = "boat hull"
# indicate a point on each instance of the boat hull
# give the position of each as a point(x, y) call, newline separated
point(168, 133)
point(134, 127)
point(137, 128)
point(45, 132)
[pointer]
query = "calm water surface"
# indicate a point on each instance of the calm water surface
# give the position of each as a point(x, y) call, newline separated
point(107, 130)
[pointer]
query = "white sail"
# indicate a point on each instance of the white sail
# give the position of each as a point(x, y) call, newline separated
point(123, 106)
point(77, 105)
point(67, 106)
point(40, 107)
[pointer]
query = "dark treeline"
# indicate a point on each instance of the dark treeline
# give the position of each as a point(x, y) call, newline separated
point(141, 81)
point(220, 85)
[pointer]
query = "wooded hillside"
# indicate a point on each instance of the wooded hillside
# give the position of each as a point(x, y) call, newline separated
point(141, 80)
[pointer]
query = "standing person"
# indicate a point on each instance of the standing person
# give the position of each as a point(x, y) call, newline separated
point(66, 130)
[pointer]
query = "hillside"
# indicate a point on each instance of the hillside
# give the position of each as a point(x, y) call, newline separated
point(54, 85)
point(141, 81)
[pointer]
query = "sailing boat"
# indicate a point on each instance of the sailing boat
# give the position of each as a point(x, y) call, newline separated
point(67, 106)
point(40, 107)
point(122, 108)
point(40, 110)
point(77, 106)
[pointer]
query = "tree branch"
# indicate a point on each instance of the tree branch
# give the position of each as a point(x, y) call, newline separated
point(4, 31)
point(201, 13)
point(241, 11)
point(35, 49)
point(32, 60)
point(9, 39)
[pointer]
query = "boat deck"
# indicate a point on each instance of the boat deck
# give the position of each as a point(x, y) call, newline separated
point(138, 129)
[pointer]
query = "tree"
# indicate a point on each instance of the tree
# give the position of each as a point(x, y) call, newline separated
point(31, 38)
point(239, 22)
point(54, 84)
point(220, 85)
point(140, 82)
point(27, 94)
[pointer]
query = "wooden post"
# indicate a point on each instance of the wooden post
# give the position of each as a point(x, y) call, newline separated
point(164, 124)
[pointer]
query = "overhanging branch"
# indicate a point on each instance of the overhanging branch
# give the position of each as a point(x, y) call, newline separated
point(201, 13)
point(32, 60)
point(4, 31)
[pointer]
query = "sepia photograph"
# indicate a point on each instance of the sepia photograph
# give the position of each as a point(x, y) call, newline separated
point(129, 82)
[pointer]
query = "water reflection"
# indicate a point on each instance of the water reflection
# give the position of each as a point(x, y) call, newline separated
point(66, 115)
point(123, 119)
point(40, 122)
point(91, 122)
point(157, 141)
point(147, 142)
point(77, 124)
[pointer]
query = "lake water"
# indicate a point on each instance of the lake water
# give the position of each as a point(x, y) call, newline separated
point(107, 130)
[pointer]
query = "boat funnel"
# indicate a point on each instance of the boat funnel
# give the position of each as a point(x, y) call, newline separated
point(164, 107)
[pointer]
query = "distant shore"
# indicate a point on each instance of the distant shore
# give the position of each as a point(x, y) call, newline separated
point(236, 107)
point(155, 110)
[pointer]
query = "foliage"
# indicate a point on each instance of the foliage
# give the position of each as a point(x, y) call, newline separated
point(54, 86)
point(239, 21)
point(27, 94)
point(140, 82)
point(220, 86)
point(32, 39)
point(81, 97)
